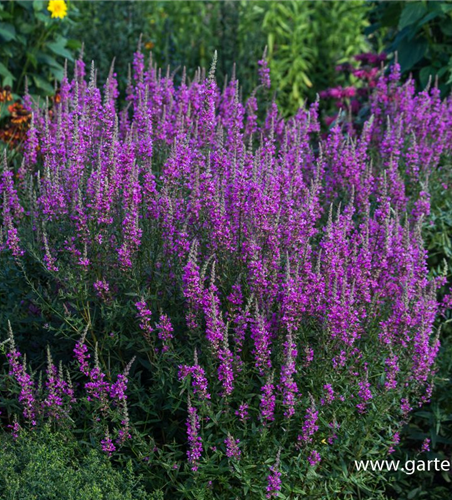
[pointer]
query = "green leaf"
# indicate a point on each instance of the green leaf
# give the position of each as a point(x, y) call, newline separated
point(391, 14)
point(7, 32)
point(413, 493)
point(444, 6)
point(271, 42)
point(429, 17)
point(21, 39)
point(25, 28)
point(4, 71)
point(412, 13)
point(73, 44)
point(425, 74)
point(57, 73)
point(25, 4)
point(42, 17)
point(4, 14)
point(38, 5)
point(48, 60)
point(43, 84)
point(411, 52)
point(59, 48)
point(446, 27)
point(8, 80)
point(32, 58)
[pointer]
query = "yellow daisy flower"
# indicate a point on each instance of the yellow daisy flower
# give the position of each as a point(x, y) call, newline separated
point(58, 8)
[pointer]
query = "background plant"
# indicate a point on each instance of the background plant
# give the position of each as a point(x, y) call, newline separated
point(305, 39)
point(33, 46)
point(420, 33)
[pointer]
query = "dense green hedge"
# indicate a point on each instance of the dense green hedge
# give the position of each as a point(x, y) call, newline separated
point(50, 465)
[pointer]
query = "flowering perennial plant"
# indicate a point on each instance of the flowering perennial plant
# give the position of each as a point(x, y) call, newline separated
point(291, 261)
point(55, 402)
point(24, 380)
point(194, 439)
point(232, 447)
point(274, 478)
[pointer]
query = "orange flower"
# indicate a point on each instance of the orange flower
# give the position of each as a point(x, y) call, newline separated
point(5, 94)
point(18, 113)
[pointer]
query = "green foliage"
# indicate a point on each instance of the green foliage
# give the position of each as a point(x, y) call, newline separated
point(109, 31)
point(179, 34)
point(305, 39)
point(420, 33)
point(433, 421)
point(46, 466)
point(439, 229)
point(32, 44)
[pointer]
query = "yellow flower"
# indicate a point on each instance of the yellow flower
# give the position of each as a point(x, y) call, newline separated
point(58, 8)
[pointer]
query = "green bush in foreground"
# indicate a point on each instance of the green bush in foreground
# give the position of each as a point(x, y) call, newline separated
point(47, 466)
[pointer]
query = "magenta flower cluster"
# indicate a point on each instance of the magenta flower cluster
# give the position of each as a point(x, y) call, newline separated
point(194, 439)
point(232, 447)
point(108, 396)
point(274, 479)
point(54, 401)
point(199, 380)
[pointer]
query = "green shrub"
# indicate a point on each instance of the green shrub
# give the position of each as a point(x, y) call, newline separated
point(95, 25)
point(47, 466)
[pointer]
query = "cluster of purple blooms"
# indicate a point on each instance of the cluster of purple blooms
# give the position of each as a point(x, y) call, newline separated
point(232, 447)
point(274, 479)
point(194, 439)
point(309, 427)
point(144, 314)
point(298, 256)
point(55, 402)
point(107, 396)
point(25, 382)
point(350, 100)
point(199, 380)
point(242, 412)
